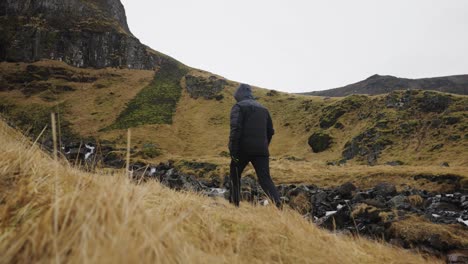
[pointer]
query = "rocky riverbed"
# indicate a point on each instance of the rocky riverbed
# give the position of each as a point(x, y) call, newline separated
point(347, 209)
point(382, 212)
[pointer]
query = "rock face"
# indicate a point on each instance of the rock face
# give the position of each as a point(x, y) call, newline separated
point(208, 88)
point(367, 145)
point(381, 84)
point(81, 33)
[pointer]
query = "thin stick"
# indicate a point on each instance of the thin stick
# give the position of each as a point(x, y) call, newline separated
point(129, 136)
point(59, 129)
point(78, 154)
point(54, 137)
point(143, 175)
point(38, 137)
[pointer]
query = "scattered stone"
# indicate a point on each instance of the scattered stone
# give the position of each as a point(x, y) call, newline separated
point(385, 189)
point(457, 256)
point(454, 137)
point(272, 93)
point(400, 202)
point(339, 125)
point(395, 163)
point(436, 147)
point(444, 164)
point(346, 190)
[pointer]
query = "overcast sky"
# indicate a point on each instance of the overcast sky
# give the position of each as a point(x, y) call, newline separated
point(305, 45)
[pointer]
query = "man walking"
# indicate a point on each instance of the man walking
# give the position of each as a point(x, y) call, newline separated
point(251, 133)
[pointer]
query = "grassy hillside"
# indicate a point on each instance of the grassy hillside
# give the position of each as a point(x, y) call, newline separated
point(81, 220)
point(172, 116)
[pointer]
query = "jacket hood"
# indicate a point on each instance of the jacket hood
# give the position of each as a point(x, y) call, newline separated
point(243, 92)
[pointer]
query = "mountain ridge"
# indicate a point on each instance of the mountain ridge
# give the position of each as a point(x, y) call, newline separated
point(381, 84)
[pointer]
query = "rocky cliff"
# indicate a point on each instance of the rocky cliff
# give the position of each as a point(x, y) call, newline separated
point(82, 33)
point(381, 84)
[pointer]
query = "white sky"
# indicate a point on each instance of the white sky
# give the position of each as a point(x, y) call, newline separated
point(305, 45)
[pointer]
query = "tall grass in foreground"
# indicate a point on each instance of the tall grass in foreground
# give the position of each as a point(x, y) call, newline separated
point(108, 219)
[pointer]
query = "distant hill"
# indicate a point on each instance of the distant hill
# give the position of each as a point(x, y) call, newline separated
point(381, 84)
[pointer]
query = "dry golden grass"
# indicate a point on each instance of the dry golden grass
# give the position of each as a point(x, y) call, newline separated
point(107, 219)
point(417, 230)
point(88, 108)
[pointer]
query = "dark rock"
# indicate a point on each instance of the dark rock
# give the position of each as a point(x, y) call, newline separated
point(442, 206)
point(451, 120)
point(385, 189)
point(368, 144)
point(64, 88)
point(178, 181)
point(359, 197)
point(434, 102)
point(459, 256)
point(435, 241)
point(375, 202)
point(395, 163)
point(320, 141)
point(336, 163)
point(272, 93)
point(400, 202)
point(454, 137)
point(339, 125)
point(436, 147)
point(445, 164)
point(336, 220)
point(346, 190)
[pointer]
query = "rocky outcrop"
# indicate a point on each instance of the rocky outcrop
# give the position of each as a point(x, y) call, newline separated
point(367, 145)
point(332, 113)
point(207, 88)
point(381, 84)
point(81, 33)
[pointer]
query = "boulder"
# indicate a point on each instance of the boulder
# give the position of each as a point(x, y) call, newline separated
point(320, 141)
point(400, 202)
point(346, 190)
point(385, 189)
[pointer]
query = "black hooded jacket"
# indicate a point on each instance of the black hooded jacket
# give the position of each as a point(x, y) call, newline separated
point(251, 125)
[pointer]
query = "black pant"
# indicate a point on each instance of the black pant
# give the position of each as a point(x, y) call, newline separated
point(262, 168)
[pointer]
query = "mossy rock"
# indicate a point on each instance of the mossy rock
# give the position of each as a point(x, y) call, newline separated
point(149, 151)
point(272, 93)
point(208, 88)
point(451, 120)
point(320, 141)
point(333, 112)
point(433, 101)
point(368, 145)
